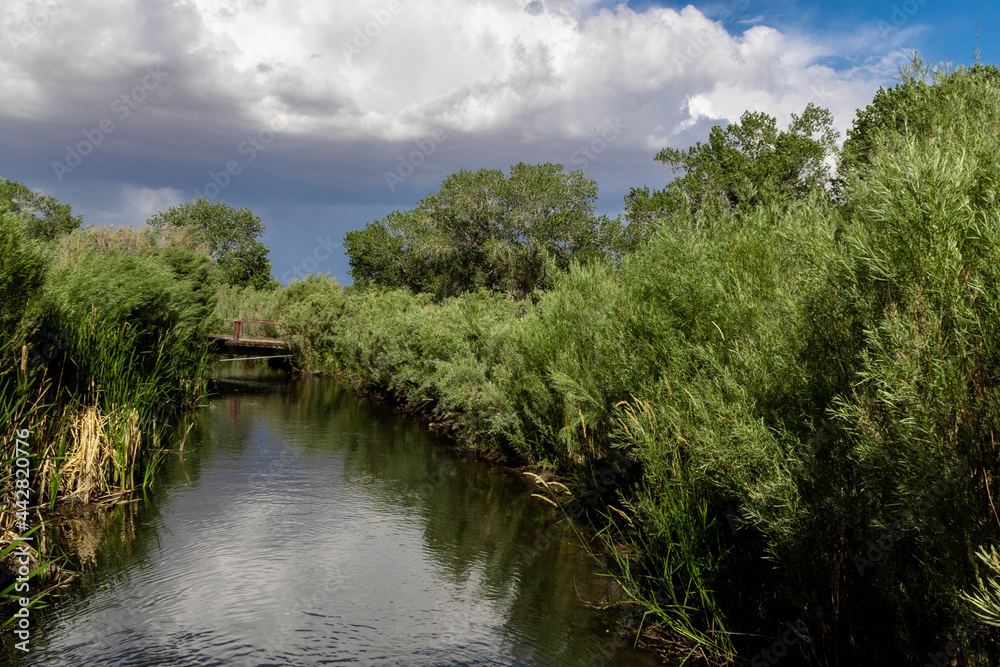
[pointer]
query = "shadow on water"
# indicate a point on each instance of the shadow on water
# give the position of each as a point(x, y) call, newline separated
point(302, 525)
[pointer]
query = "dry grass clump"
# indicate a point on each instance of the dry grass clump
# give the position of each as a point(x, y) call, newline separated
point(103, 455)
point(84, 469)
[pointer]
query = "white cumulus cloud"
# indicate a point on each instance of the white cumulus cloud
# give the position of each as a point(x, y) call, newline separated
point(395, 69)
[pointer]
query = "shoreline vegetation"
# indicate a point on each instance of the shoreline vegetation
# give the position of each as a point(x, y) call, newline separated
point(103, 346)
point(772, 387)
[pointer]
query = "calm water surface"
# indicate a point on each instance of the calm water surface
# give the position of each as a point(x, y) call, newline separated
point(304, 526)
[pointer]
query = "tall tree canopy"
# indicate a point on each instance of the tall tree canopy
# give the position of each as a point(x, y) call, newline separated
point(42, 217)
point(745, 164)
point(232, 236)
point(485, 229)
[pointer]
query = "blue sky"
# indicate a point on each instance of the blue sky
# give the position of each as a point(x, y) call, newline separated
point(322, 116)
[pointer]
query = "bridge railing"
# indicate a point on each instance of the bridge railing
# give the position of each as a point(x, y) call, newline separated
point(239, 322)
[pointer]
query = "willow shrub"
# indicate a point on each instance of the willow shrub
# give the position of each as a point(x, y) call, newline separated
point(919, 272)
point(902, 340)
point(688, 359)
point(828, 404)
point(403, 347)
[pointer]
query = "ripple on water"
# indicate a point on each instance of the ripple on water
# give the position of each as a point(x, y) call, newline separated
point(343, 544)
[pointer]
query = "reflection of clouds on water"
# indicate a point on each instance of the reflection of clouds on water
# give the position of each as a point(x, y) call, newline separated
point(312, 534)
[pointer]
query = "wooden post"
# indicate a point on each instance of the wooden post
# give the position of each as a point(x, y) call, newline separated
point(237, 330)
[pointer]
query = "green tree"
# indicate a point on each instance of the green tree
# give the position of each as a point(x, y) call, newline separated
point(923, 102)
point(745, 164)
point(485, 229)
point(232, 236)
point(42, 217)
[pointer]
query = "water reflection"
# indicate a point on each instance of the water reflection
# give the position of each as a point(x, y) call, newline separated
point(303, 526)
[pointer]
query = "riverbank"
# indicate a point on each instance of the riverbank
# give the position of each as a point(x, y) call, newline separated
point(804, 393)
point(102, 346)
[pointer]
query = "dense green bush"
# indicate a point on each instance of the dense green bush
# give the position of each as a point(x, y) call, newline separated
point(22, 270)
point(923, 103)
point(129, 276)
point(401, 346)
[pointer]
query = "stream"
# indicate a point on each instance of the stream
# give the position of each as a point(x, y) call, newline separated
point(303, 525)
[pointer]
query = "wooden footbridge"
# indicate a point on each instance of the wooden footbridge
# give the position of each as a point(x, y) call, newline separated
point(238, 344)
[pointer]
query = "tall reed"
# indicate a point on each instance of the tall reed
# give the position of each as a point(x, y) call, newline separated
point(105, 343)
